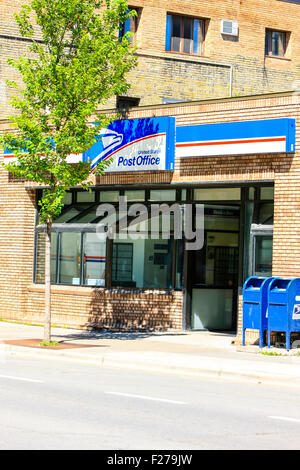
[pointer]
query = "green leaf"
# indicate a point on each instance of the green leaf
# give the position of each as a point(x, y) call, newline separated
point(78, 66)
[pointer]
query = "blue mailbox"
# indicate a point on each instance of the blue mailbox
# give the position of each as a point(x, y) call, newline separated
point(255, 304)
point(284, 307)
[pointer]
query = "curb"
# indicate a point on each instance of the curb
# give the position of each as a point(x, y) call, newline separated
point(276, 351)
point(227, 370)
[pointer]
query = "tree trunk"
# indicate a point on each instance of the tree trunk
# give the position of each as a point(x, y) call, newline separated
point(47, 322)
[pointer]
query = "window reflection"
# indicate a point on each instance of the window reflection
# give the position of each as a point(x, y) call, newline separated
point(94, 259)
point(142, 263)
point(80, 258)
point(263, 256)
point(69, 258)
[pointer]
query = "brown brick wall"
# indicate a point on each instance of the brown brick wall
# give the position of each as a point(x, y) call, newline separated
point(21, 299)
point(162, 74)
point(108, 308)
point(17, 216)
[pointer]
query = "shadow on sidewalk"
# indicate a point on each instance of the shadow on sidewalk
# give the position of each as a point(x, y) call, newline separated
point(117, 335)
point(204, 337)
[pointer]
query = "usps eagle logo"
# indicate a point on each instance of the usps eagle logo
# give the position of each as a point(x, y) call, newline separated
point(296, 312)
point(109, 141)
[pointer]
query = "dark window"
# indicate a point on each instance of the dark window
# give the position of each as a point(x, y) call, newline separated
point(263, 248)
point(225, 265)
point(185, 34)
point(276, 42)
point(126, 102)
point(122, 263)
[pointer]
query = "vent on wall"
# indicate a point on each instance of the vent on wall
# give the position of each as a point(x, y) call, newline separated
point(229, 27)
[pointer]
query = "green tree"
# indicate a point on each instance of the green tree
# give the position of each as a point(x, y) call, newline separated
point(76, 62)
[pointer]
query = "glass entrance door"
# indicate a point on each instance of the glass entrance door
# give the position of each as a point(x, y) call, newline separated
point(214, 273)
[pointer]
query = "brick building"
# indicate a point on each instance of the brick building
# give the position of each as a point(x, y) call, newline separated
point(191, 50)
point(251, 201)
point(250, 197)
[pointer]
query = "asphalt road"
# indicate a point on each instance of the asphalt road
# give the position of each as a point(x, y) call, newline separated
point(55, 405)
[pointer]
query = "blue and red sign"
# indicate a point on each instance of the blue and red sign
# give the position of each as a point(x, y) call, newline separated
point(236, 138)
point(136, 145)
point(149, 144)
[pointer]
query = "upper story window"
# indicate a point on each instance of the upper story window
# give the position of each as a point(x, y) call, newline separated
point(131, 25)
point(185, 34)
point(276, 43)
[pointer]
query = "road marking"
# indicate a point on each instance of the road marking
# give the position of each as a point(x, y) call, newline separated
point(283, 418)
point(12, 377)
point(142, 397)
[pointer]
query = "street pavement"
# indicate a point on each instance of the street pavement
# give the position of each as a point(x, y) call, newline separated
point(197, 354)
point(64, 405)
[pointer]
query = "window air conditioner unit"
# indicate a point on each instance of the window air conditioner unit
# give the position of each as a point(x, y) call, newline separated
point(230, 28)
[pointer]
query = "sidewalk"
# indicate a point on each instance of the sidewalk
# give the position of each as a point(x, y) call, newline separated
point(195, 354)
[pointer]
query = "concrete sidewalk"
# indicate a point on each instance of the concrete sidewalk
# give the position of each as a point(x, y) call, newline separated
point(197, 354)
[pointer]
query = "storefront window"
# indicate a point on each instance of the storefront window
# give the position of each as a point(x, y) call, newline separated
point(265, 214)
point(249, 208)
point(94, 260)
point(263, 256)
point(142, 263)
point(163, 195)
point(40, 263)
point(86, 196)
point(183, 194)
point(109, 196)
point(258, 233)
point(87, 216)
point(217, 194)
point(67, 199)
point(179, 264)
point(68, 214)
point(147, 259)
point(158, 264)
point(135, 195)
point(221, 217)
point(122, 264)
point(267, 192)
point(53, 260)
point(69, 258)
